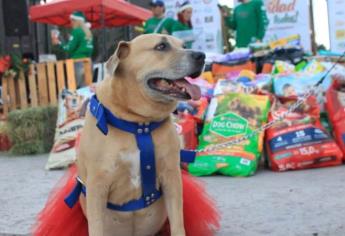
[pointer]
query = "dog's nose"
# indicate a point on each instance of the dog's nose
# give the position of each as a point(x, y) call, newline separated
point(198, 56)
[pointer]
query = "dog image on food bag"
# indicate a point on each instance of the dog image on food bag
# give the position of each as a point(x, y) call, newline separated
point(129, 180)
point(73, 104)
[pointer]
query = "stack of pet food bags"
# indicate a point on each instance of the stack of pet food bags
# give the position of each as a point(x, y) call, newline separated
point(300, 141)
point(237, 108)
point(242, 102)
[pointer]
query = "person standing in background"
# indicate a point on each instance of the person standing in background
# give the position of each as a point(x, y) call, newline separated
point(158, 23)
point(249, 20)
point(79, 45)
point(183, 28)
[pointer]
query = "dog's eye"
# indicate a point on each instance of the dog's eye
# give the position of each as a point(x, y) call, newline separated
point(162, 47)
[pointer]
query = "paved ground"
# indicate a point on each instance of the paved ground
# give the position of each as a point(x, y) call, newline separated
point(297, 203)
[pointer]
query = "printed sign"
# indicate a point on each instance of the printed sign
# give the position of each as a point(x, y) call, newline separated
point(288, 18)
point(206, 21)
point(336, 14)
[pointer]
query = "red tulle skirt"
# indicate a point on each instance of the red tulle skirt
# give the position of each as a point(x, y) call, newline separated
point(201, 217)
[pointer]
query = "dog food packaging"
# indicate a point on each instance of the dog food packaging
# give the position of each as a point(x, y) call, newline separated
point(229, 117)
point(197, 109)
point(72, 107)
point(290, 41)
point(220, 71)
point(283, 67)
point(238, 55)
point(299, 141)
point(244, 85)
point(335, 107)
point(186, 127)
point(297, 84)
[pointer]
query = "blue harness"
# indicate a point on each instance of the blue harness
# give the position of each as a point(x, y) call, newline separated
point(145, 144)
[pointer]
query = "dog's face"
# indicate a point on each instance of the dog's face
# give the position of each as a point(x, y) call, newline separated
point(155, 67)
point(73, 103)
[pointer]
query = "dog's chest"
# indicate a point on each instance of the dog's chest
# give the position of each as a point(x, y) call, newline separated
point(130, 162)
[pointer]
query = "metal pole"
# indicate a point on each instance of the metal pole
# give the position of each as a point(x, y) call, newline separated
point(36, 37)
point(312, 28)
point(329, 27)
point(104, 41)
point(129, 29)
point(46, 36)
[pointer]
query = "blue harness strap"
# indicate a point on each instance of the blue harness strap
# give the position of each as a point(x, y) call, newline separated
point(145, 144)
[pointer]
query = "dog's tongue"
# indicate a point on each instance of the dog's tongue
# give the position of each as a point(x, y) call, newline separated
point(192, 90)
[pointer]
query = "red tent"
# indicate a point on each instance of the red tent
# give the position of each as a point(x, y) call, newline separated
point(100, 13)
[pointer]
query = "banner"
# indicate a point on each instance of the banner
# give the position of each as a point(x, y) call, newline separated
point(206, 21)
point(336, 15)
point(287, 18)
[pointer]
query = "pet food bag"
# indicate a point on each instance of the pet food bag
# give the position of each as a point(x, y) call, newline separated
point(229, 117)
point(220, 71)
point(197, 109)
point(186, 127)
point(299, 141)
point(72, 107)
point(297, 84)
point(335, 107)
point(261, 83)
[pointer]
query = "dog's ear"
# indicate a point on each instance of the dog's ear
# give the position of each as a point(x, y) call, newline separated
point(121, 53)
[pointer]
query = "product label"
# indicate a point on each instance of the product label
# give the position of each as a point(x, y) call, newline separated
point(228, 125)
point(297, 139)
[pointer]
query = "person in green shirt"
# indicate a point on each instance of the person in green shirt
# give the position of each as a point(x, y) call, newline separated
point(79, 45)
point(183, 27)
point(249, 19)
point(158, 23)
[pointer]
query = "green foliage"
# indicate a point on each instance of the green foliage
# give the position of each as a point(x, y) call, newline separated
point(32, 130)
point(16, 65)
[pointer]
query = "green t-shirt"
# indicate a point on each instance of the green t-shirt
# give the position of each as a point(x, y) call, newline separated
point(152, 23)
point(78, 45)
point(183, 32)
point(250, 21)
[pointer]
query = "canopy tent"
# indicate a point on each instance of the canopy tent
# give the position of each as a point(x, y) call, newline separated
point(100, 13)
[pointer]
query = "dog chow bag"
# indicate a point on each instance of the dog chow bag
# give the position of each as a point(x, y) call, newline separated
point(70, 121)
point(231, 116)
point(299, 141)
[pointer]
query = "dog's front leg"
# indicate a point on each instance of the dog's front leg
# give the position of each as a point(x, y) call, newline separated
point(172, 192)
point(96, 201)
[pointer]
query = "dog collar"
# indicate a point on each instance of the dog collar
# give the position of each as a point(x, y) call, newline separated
point(104, 118)
point(142, 132)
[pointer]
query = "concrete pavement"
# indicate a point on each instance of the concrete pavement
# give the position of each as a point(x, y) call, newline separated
point(309, 202)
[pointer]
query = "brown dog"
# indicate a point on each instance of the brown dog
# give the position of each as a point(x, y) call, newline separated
point(144, 81)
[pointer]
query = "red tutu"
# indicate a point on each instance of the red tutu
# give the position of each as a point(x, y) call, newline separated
point(201, 217)
point(57, 219)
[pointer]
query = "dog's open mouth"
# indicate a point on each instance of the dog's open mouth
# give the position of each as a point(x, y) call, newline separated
point(179, 88)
